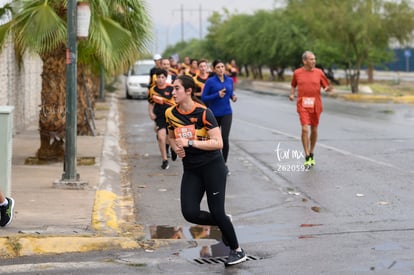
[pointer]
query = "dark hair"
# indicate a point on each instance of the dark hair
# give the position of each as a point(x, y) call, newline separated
point(202, 61)
point(160, 71)
point(187, 82)
point(217, 61)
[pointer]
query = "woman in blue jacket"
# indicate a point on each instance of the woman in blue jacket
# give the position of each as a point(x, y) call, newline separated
point(217, 93)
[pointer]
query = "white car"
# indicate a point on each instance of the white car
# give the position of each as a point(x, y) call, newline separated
point(138, 79)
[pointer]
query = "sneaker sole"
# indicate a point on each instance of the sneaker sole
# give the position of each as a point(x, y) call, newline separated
point(11, 211)
point(237, 262)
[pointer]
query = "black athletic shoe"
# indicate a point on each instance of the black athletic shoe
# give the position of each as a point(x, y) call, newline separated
point(173, 155)
point(7, 213)
point(235, 257)
point(165, 165)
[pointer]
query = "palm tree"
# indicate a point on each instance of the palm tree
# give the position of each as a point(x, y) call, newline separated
point(118, 35)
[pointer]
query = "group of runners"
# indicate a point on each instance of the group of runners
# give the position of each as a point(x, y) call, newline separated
point(191, 107)
point(220, 75)
point(199, 136)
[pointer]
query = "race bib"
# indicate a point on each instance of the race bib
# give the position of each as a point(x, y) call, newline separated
point(308, 102)
point(187, 131)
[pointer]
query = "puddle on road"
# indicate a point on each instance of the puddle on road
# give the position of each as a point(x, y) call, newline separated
point(245, 234)
point(255, 234)
point(218, 249)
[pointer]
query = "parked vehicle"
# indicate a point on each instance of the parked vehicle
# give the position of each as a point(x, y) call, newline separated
point(138, 79)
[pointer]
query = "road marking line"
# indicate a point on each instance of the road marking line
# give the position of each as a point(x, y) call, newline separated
point(338, 150)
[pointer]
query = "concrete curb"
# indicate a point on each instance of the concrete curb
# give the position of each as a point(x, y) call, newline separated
point(375, 98)
point(16, 246)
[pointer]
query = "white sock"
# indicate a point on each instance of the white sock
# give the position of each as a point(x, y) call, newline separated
point(5, 203)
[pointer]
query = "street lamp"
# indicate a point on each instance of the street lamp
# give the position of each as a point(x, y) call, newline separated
point(84, 19)
point(70, 178)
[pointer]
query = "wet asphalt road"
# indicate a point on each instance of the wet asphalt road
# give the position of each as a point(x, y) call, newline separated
point(351, 213)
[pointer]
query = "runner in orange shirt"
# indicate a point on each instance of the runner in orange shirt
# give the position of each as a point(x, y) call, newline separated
point(193, 69)
point(201, 77)
point(159, 99)
point(185, 66)
point(233, 71)
point(309, 80)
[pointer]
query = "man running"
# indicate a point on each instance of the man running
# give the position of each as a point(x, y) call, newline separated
point(309, 80)
point(159, 99)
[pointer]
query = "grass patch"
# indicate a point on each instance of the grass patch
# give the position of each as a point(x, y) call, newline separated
point(393, 89)
point(387, 111)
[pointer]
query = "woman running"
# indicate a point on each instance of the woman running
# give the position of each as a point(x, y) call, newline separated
point(195, 136)
point(217, 93)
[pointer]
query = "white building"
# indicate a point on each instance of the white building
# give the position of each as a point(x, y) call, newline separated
point(20, 88)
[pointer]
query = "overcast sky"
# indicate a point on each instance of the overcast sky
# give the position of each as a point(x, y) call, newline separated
point(166, 16)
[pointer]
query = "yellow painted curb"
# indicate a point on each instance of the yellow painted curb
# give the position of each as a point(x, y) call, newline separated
point(28, 245)
point(377, 98)
point(104, 215)
point(106, 219)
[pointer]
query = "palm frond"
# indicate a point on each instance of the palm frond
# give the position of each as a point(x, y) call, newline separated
point(38, 28)
point(112, 43)
point(119, 31)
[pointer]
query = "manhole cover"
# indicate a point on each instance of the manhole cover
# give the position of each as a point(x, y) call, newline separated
point(221, 260)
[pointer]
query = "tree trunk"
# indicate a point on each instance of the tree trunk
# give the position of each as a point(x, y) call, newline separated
point(260, 72)
point(246, 68)
point(354, 81)
point(52, 115)
point(370, 74)
point(254, 72)
point(86, 101)
point(272, 73)
point(280, 74)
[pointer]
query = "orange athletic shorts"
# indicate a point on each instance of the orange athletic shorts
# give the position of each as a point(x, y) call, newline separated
point(309, 118)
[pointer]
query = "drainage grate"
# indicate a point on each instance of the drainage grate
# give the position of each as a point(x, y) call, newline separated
point(221, 260)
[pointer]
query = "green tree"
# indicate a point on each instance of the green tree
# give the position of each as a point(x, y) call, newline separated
point(119, 32)
point(284, 39)
point(238, 39)
point(354, 33)
point(193, 48)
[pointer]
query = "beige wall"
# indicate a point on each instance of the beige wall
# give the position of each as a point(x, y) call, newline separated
point(21, 88)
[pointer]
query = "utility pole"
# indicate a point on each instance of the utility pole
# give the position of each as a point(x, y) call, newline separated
point(200, 24)
point(182, 23)
point(200, 21)
point(70, 178)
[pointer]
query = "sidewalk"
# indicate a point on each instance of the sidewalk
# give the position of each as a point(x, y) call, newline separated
point(59, 220)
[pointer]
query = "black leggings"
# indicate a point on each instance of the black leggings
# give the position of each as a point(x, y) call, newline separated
point(225, 124)
point(209, 179)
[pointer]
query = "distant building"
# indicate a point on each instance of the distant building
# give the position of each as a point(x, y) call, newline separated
point(403, 60)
